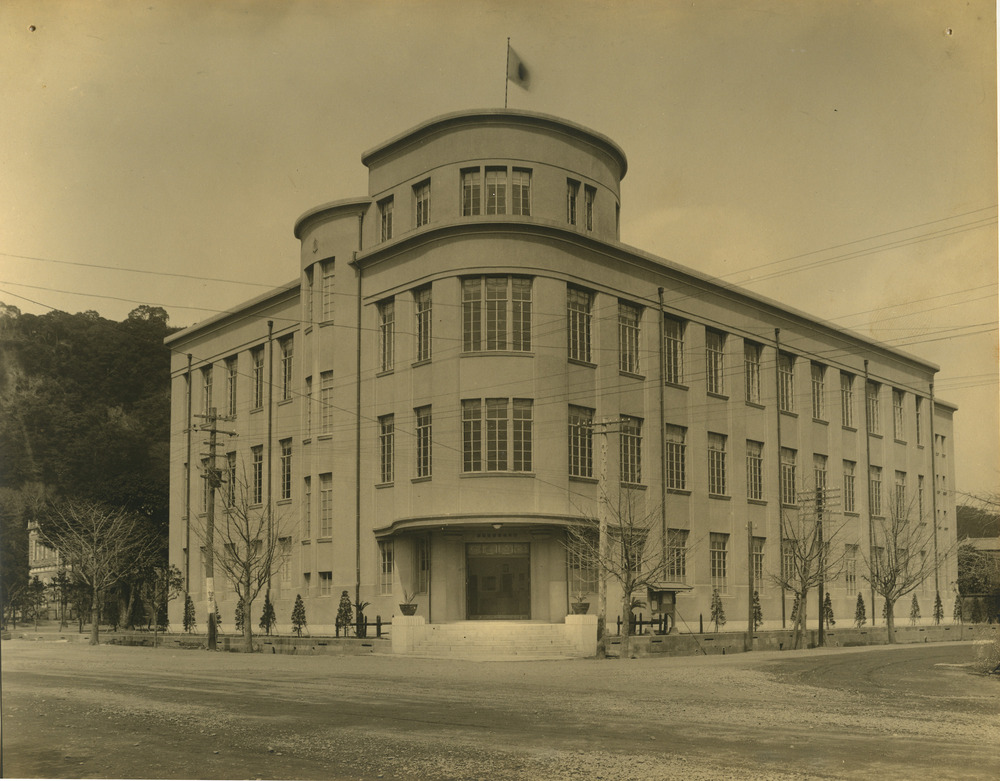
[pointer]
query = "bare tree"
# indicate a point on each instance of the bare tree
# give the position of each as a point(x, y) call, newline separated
point(163, 585)
point(900, 557)
point(627, 557)
point(100, 544)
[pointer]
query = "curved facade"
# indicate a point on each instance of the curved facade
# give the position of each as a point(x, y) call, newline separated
point(440, 372)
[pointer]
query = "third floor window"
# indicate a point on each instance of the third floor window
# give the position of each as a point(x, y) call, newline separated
point(496, 314)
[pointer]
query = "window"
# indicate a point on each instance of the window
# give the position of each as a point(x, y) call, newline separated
point(385, 567)
point(307, 296)
point(326, 402)
point(422, 309)
point(285, 487)
point(309, 406)
point(630, 449)
point(232, 372)
point(899, 506)
point(629, 316)
point(849, 502)
point(306, 508)
point(326, 504)
point(847, 400)
point(496, 190)
point(579, 304)
point(675, 454)
point(385, 447)
point(257, 376)
point(851, 567)
point(786, 382)
point(423, 565)
point(939, 446)
point(589, 195)
point(506, 318)
point(385, 218)
point(920, 498)
point(875, 490)
point(677, 555)
point(871, 402)
point(715, 353)
point(286, 346)
point(581, 441)
point(919, 420)
point(257, 474)
point(572, 196)
point(788, 559)
point(755, 470)
point(423, 432)
point(717, 551)
point(582, 567)
point(327, 290)
point(673, 350)
point(757, 560)
point(325, 584)
point(206, 390)
point(520, 192)
point(285, 561)
point(787, 488)
point(508, 436)
point(422, 203)
point(716, 464)
point(386, 333)
point(472, 189)
point(751, 371)
point(898, 431)
point(819, 471)
point(818, 372)
point(230, 479)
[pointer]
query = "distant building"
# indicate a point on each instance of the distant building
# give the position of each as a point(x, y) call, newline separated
point(419, 401)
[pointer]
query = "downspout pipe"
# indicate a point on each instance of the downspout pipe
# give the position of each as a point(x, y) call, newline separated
point(187, 484)
point(934, 490)
point(663, 437)
point(270, 443)
point(868, 482)
point(777, 412)
point(357, 427)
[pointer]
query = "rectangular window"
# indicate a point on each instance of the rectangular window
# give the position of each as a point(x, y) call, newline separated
point(581, 441)
point(386, 436)
point(715, 354)
point(675, 452)
point(673, 350)
point(919, 420)
point(589, 196)
point(285, 561)
point(520, 192)
point(579, 305)
point(496, 190)
point(307, 296)
point(508, 437)
point(325, 584)
point(326, 402)
point(472, 190)
point(522, 435)
point(206, 390)
point(257, 376)
point(422, 203)
point(847, 400)
point(872, 407)
point(920, 498)
point(423, 432)
point(677, 555)
point(787, 488)
point(506, 318)
point(472, 435)
point(939, 446)
point(496, 313)
point(385, 218)
point(717, 550)
point(788, 559)
point(306, 508)
point(582, 567)
point(875, 490)
point(629, 316)
point(285, 485)
point(422, 310)
point(230, 486)
point(386, 333)
point(819, 471)
point(286, 347)
point(257, 474)
point(423, 565)
point(899, 506)
point(851, 567)
point(327, 290)
point(757, 558)
point(496, 435)
point(818, 372)
point(630, 449)
point(898, 429)
point(786, 382)
point(520, 290)
point(326, 505)
point(849, 472)
point(751, 371)
point(716, 464)
point(385, 567)
point(232, 372)
point(309, 406)
point(572, 195)
point(755, 470)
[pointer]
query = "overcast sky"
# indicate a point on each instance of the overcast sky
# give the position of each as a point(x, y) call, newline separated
point(836, 156)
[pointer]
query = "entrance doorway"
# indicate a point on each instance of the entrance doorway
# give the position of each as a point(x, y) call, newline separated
point(498, 580)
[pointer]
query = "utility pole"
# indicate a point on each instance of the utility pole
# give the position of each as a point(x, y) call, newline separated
point(822, 562)
point(750, 586)
point(607, 426)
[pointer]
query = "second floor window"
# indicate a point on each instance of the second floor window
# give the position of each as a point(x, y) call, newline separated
point(422, 203)
point(673, 350)
point(572, 196)
point(285, 487)
point(755, 470)
point(424, 442)
point(579, 304)
point(589, 196)
point(385, 218)
point(496, 190)
point(875, 490)
point(499, 308)
point(629, 316)
point(257, 474)
point(715, 353)
point(326, 403)
point(849, 501)
point(422, 310)
point(751, 371)
point(787, 476)
point(717, 464)
point(326, 504)
point(506, 445)
point(581, 441)
point(676, 457)
point(630, 449)
point(899, 505)
point(472, 192)
point(386, 333)
point(287, 347)
point(718, 544)
point(386, 436)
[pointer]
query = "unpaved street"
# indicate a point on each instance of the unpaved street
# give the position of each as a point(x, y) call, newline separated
point(911, 712)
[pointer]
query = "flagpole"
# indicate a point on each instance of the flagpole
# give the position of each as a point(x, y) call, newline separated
point(506, 81)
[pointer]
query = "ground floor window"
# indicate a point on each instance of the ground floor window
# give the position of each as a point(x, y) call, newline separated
point(385, 567)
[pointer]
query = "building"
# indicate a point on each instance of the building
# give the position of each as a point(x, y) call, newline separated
point(417, 406)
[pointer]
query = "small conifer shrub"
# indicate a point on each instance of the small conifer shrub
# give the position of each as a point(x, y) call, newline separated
point(298, 615)
point(758, 613)
point(914, 611)
point(267, 616)
point(189, 620)
point(345, 614)
point(828, 611)
point(938, 608)
point(860, 614)
point(718, 611)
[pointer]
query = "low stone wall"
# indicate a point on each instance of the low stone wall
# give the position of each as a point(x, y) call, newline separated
point(302, 646)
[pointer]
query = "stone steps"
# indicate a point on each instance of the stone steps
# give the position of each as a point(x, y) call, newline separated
point(495, 640)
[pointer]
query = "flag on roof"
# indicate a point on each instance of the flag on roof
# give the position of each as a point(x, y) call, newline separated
point(517, 71)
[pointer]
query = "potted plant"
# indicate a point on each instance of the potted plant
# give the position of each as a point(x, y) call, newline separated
point(580, 607)
point(408, 607)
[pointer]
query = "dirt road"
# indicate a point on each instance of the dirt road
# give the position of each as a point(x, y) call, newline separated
point(912, 712)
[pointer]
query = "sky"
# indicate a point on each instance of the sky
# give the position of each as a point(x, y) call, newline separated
point(839, 157)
